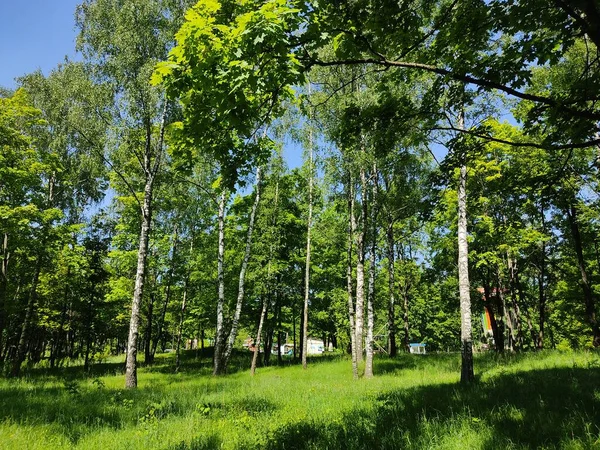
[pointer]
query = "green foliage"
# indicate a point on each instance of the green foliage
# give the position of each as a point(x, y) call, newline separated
point(230, 70)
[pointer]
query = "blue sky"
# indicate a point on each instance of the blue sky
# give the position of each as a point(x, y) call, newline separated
point(35, 34)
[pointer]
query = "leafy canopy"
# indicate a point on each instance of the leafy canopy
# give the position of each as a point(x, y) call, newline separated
point(231, 68)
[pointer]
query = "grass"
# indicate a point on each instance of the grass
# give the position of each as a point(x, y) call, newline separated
point(542, 400)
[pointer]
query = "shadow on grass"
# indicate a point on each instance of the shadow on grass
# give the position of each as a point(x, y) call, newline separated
point(77, 410)
point(200, 443)
point(551, 408)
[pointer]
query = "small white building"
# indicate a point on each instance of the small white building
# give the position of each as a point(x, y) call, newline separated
point(418, 349)
point(315, 347)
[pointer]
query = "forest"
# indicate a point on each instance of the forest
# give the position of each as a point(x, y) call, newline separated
point(443, 191)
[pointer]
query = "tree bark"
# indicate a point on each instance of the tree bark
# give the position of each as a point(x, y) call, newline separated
point(467, 373)
point(263, 313)
point(405, 318)
point(307, 267)
point(391, 316)
point(163, 312)
point(3, 289)
point(150, 169)
point(351, 232)
point(586, 284)
point(360, 269)
point(242, 279)
point(516, 309)
point(490, 308)
point(541, 289)
point(180, 327)
point(149, 325)
point(24, 336)
point(132, 341)
point(372, 268)
point(220, 333)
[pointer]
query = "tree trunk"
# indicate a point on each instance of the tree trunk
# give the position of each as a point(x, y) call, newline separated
point(242, 279)
point(132, 341)
point(294, 327)
point(180, 327)
point(279, 333)
point(487, 294)
point(24, 336)
point(391, 317)
point(360, 269)
point(300, 349)
point(371, 287)
point(542, 307)
point(218, 368)
point(512, 271)
point(163, 313)
point(268, 342)
point(258, 335)
point(351, 232)
point(405, 318)
point(307, 266)
point(150, 169)
point(541, 289)
point(148, 334)
point(89, 330)
point(586, 284)
point(467, 373)
point(508, 321)
point(3, 289)
point(527, 313)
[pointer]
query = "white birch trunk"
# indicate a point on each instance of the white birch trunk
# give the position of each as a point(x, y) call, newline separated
point(467, 375)
point(351, 231)
point(132, 341)
point(360, 269)
point(371, 296)
point(150, 170)
point(242, 279)
point(307, 267)
point(258, 336)
point(220, 333)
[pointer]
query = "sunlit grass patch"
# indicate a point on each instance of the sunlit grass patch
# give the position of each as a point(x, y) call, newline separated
point(543, 400)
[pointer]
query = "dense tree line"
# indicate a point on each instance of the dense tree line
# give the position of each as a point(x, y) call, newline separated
point(450, 174)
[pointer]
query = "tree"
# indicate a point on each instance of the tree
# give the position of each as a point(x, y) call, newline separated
point(124, 42)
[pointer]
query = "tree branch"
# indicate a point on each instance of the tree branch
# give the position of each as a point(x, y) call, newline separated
point(590, 115)
point(521, 144)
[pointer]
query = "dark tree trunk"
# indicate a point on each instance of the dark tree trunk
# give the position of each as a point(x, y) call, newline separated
point(180, 327)
point(493, 322)
point(268, 345)
point(3, 290)
point(294, 327)
point(25, 329)
point(163, 313)
point(506, 313)
point(391, 316)
point(148, 359)
point(586, 284)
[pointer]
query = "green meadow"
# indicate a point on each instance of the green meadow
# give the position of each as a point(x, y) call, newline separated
point(537, 400)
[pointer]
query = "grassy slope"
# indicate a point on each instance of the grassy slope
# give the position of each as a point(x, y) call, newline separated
point(544, 400)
